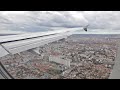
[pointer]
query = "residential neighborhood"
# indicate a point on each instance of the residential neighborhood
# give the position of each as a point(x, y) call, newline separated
point(70, 58)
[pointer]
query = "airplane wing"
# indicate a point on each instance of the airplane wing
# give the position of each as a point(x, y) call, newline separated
point(18, 43)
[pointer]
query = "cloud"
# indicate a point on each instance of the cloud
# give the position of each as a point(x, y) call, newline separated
point(36, 21)
point(103, 19)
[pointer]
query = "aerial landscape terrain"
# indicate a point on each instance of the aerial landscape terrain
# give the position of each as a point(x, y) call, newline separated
point(59, 44)
point(79, 56)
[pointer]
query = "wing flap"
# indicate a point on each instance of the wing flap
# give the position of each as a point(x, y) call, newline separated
point(3, 52)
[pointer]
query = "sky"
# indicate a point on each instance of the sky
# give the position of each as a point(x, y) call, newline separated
point(100, 22)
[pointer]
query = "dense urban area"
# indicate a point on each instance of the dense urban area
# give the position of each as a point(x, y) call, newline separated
point(76, 57)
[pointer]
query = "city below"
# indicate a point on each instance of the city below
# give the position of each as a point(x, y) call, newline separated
point(79, 56)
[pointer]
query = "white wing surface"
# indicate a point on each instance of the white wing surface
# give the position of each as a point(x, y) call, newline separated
point(18, 43)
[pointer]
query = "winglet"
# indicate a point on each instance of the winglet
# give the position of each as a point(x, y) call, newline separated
point(85, 28)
